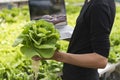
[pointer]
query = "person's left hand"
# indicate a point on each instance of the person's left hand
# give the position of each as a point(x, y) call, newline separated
point(56, 57)
point(37, 58)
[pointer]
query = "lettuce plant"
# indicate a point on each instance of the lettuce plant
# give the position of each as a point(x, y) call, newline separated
point(38, 38)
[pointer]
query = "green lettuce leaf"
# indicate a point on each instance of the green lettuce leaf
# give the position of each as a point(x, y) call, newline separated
point(29, 52)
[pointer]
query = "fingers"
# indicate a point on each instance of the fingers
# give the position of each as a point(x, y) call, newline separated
point(36, 58)
point(55, 57)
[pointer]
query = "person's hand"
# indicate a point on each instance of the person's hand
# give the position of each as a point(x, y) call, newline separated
point(56, 56)
point(36, 58)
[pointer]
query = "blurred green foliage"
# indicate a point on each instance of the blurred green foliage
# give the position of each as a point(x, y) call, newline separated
point(115, 38)
point(15, 66)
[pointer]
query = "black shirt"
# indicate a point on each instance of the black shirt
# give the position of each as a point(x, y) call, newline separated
point(91, 34)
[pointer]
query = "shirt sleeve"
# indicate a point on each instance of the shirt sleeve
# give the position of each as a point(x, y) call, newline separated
point(100, 29)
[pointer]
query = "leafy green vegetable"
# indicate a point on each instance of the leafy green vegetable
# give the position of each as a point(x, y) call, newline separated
point(38, 38)
point(28, 51)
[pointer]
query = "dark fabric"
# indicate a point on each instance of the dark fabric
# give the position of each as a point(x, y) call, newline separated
point(91, 34)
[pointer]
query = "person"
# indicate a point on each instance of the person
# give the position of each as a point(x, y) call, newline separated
point(89, 45)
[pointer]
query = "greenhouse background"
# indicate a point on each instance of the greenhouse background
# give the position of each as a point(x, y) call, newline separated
point(14, 14)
